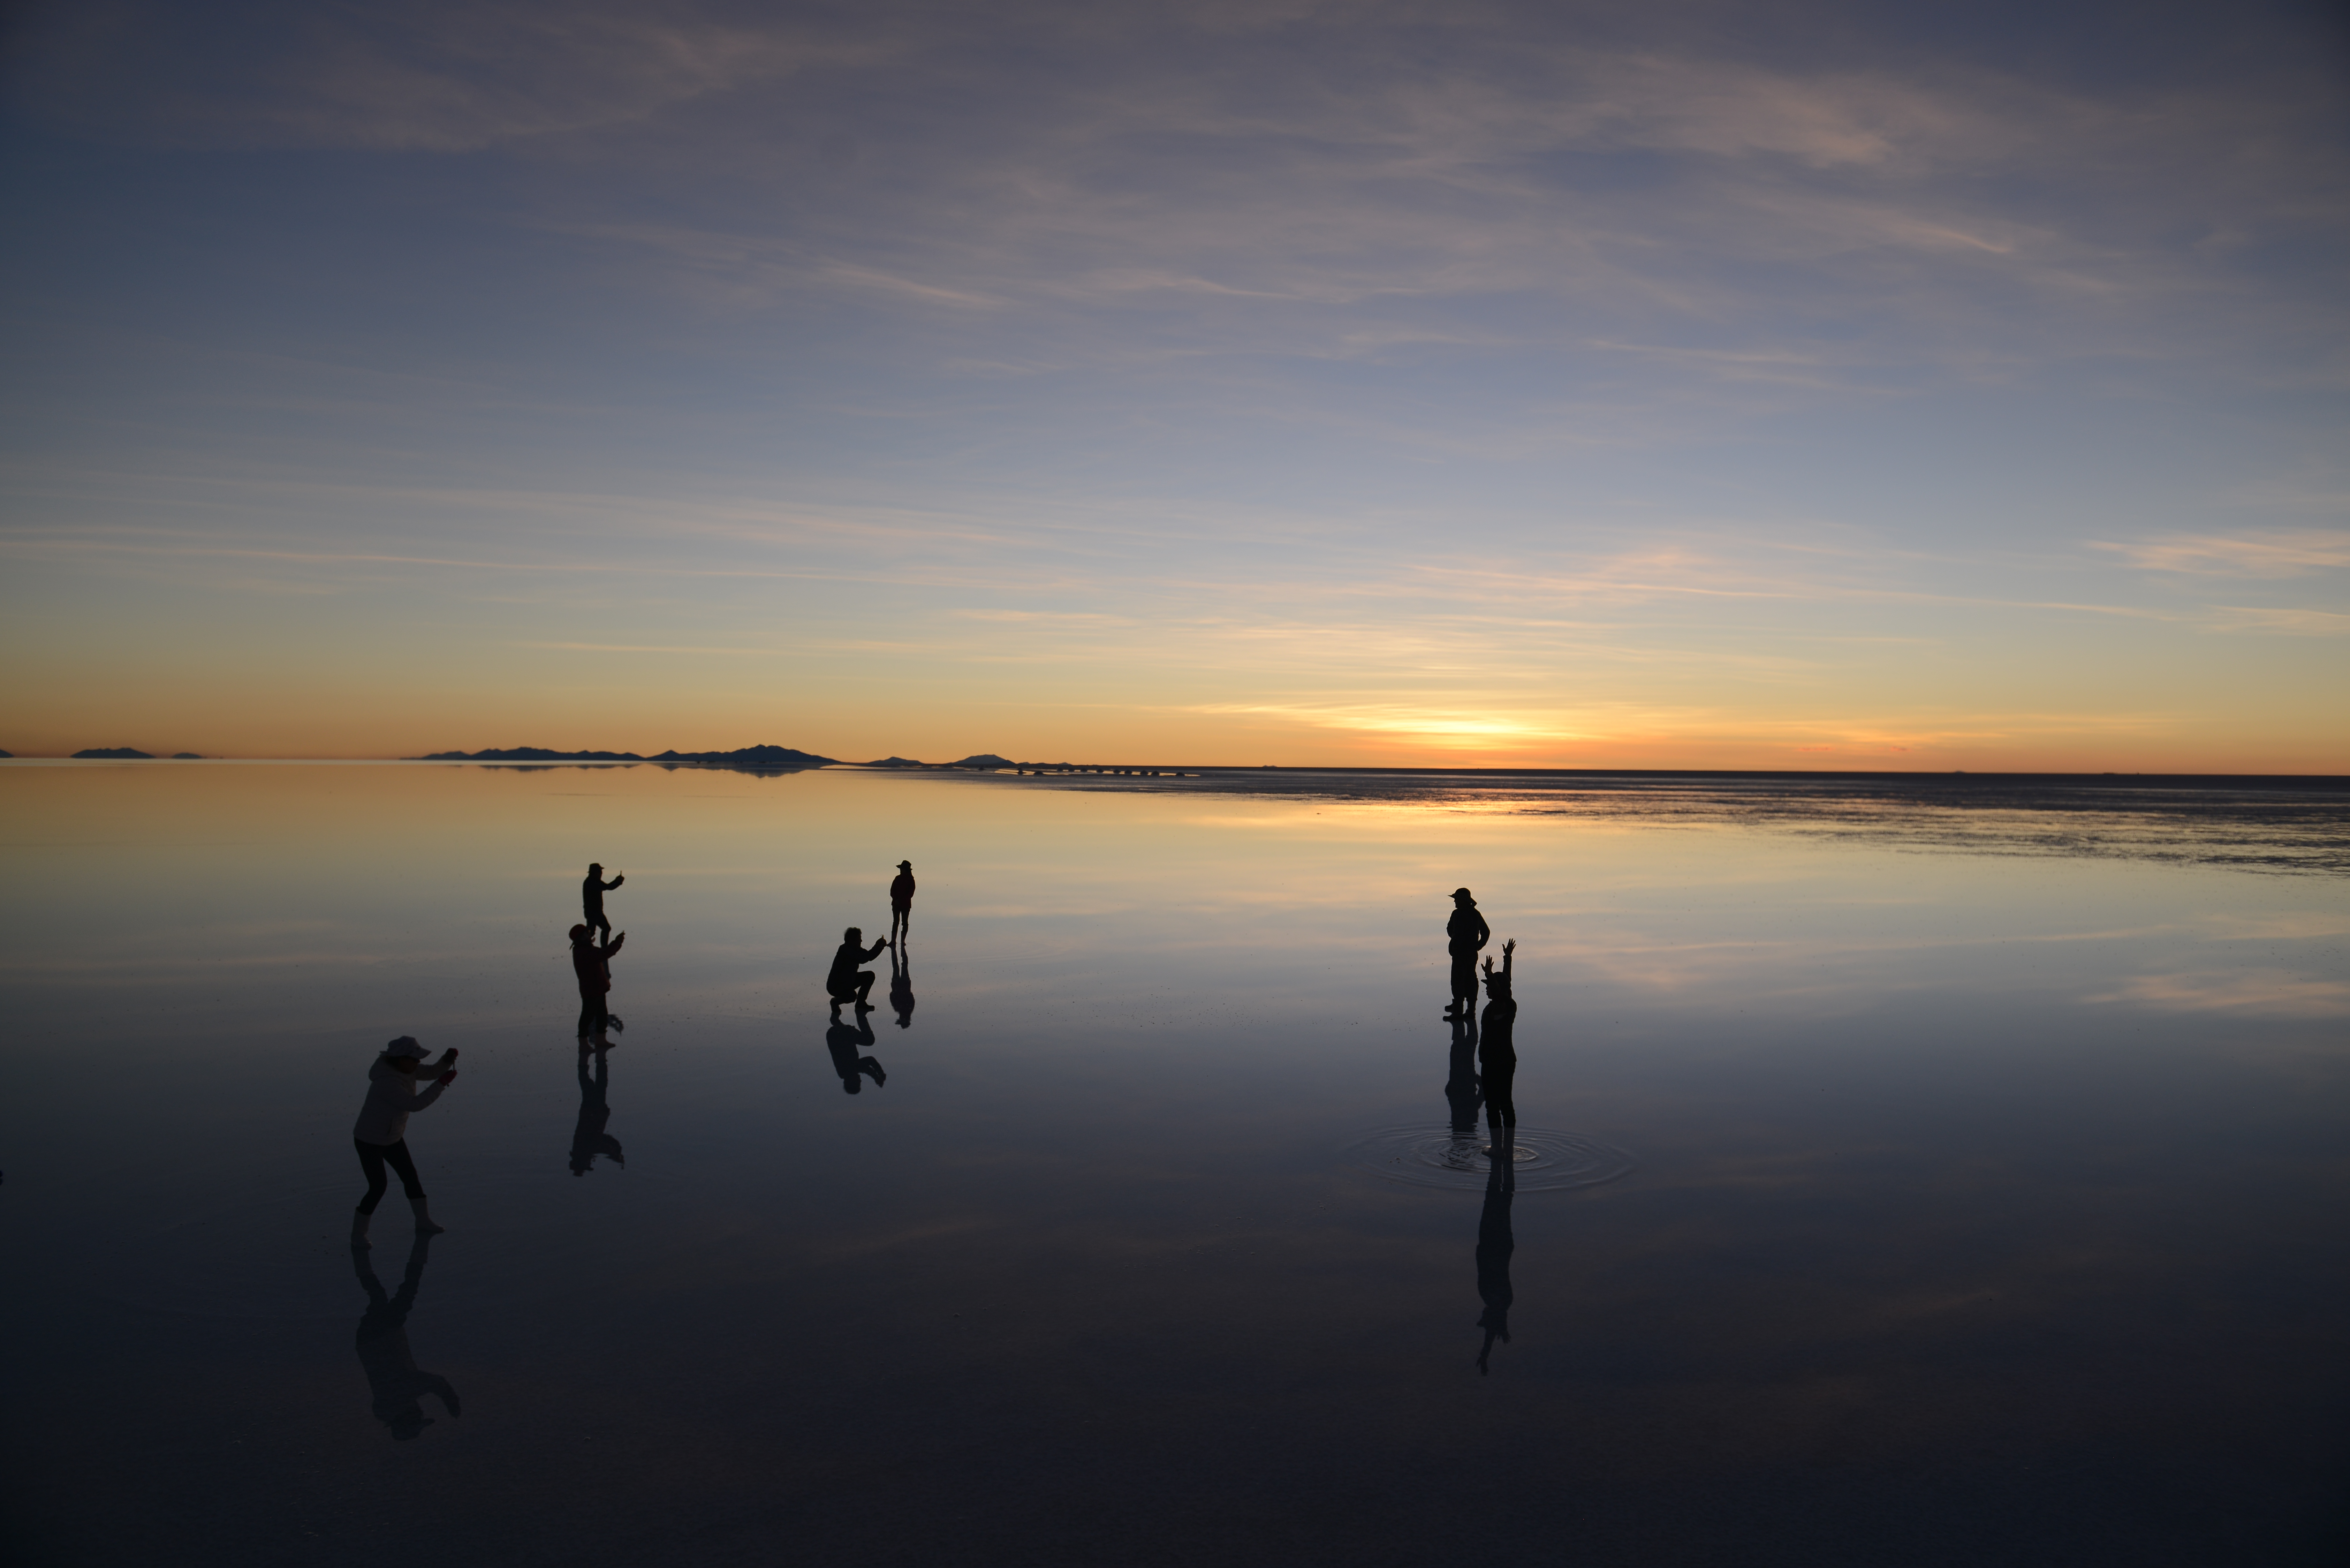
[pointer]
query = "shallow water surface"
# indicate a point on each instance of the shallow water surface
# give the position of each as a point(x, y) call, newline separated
point(1903, 1178)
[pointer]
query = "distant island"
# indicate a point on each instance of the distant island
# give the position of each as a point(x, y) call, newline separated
point(769, 758)
point(115, 753)
point(765, 759)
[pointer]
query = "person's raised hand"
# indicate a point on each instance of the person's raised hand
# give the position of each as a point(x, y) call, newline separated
point(447, 1078)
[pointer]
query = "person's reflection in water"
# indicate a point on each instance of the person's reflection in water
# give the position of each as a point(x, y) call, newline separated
point(398, 1383)
point(843, 1041)
point(1494, 1242)
point(1497, 1050)
point(589, 1139)
point(1461, 1093)
point(901, 987)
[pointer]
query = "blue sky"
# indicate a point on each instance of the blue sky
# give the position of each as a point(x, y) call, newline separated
point(1611, 385)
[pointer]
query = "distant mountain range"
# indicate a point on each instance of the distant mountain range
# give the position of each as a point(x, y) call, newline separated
point(765, 759)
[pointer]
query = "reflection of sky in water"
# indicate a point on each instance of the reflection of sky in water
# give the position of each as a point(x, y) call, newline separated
point(1981, 1203)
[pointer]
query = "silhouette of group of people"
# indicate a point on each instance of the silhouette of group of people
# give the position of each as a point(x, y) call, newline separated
point(1485, 1070)
point(379, 1135)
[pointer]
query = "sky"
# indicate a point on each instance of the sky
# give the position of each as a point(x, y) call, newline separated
point(1586, 385)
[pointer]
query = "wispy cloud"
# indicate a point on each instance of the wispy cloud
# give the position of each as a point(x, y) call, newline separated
point(2282, 622)
point(2276, 553)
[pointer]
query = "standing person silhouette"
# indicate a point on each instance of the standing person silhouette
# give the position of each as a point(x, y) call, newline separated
point(846, 981)
point(902, 899)
point(591, 965)
point(380, 1133)
point(1465, 934)
point(592, 898)
point(1497, 1046)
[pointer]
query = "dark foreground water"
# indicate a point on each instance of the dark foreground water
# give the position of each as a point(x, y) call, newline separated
point(1912, 1180)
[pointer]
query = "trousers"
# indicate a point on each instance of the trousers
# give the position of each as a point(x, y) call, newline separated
point(373, 1158)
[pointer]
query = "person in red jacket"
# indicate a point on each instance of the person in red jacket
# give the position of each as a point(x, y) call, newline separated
point(592, 964)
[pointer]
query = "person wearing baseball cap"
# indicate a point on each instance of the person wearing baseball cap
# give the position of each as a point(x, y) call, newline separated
point(1465, 933)
point(380, 1133)
point(902, 899)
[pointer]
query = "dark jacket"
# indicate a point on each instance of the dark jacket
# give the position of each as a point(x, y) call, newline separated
point(901, 891)
point(1467, 931)
point(845, 963)
point(593, 964)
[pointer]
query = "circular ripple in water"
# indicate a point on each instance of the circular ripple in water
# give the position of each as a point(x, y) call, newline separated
point(1432, 1155)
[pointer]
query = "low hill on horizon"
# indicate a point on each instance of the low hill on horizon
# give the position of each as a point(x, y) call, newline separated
point(767, 758)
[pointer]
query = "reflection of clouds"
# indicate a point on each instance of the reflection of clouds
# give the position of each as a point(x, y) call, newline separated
point(2265, 994)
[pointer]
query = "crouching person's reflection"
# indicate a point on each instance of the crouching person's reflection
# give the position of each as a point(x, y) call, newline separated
point(398, 1384)
point(843, 1041)
point(589, 1139)
point(1494, 1242)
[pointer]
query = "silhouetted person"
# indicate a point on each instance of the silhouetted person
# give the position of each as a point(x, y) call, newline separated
point(848, 981)
point(591, 899)
point(399, 1385)
point(1465, 934)
point(1461, 1092)
point(589, 1139)
point(842, 1041)
point(1497, 1047)
point(901, 987)
point(591, 965)
point(1494, 1243)
point(901, 899)
point(380, 1133)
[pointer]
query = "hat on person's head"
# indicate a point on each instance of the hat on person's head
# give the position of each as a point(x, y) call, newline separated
point(1462, 893)
point(405, 1045)
point(905, 865)
point(578, 931)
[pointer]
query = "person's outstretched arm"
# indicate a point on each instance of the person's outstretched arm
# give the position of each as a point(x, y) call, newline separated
point(614, 883)
point(873, 950)
point(423, 1098)
point(613, 946)
point(1509, 956)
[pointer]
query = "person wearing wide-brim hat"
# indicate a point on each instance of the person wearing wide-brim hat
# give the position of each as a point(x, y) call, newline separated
point(380, 1133)
point(902, 899)
point(1464, 934)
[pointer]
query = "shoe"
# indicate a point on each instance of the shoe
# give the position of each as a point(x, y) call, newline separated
point(359, 1243)
point(424, 1225)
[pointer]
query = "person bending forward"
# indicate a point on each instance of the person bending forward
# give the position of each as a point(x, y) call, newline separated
point(380, 1133)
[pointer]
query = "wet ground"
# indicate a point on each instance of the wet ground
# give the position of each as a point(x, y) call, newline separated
point(1901, 1185)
